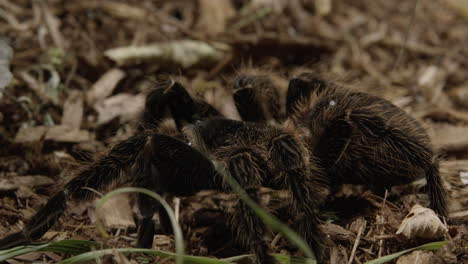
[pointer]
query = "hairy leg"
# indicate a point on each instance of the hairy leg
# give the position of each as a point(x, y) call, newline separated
point(39, 224)
point(110, 169)
point(170, 97)
point(306, 185)
point(300, 89)
point(256, 98)
point(245, 167)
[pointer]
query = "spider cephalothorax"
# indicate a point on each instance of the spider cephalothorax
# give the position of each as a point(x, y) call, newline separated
point(333, 136)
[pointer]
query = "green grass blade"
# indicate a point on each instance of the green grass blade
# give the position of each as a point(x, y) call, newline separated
point(270, 220)
point(429, 246)
point(17, 251)
point(88, 256)
point(65, 246)
point(179, 240)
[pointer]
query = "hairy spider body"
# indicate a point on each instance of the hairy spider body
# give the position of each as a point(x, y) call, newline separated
point(359, 138)
point(339, 136)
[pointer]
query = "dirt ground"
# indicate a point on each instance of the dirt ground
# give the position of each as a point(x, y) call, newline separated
point(71, 93)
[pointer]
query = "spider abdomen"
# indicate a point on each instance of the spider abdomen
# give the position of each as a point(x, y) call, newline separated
point(363, 139)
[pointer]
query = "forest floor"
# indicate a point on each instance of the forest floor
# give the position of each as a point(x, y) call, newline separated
point(71, 94)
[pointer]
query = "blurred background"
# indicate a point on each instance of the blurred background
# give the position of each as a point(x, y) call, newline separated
point(74, 74)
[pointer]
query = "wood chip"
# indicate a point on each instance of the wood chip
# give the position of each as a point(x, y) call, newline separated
point(184, 53)
point(337, 232)
point(451, 138)
point(67, 134)
point(104, 87)
point(431, 82)
point(73, 110)
point(6, 54)
point(416, 257)
point(459, 95)
point(214, 15)
point(124, 10)
point(126, 106)
point(116, 212)
point(53, 26)
point(13, 183)
point(30, 134)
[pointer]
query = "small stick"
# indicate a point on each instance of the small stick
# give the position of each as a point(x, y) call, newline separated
point(219, 66)
point(356, 243)
point(382, 230)
point(275, 240)
point(357, 260)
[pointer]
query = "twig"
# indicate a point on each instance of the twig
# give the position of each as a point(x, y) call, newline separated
point(356, 243)
point(52, 24)
point(382, 230)
point(219, 66)
point(376, 197)
point(169, 20)
point(407, 33)
point(275, 240)
point(250, 18)
point(12, 8)
point(357, 260)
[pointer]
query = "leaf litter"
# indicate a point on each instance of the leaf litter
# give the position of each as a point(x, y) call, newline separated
point(59, 112)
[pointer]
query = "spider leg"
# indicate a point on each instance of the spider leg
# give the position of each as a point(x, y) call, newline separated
point(39, 224)
point(98, 176)
point(300, 89)
point(305, 184)
point(146, 174)
point(245, 167)
point(256, 98)
point(170, 166)
point(332, 144)
point(171, 97)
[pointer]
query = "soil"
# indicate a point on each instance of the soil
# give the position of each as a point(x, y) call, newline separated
point(67, 94)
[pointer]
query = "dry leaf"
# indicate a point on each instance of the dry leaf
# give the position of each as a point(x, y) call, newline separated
point(30, 257)
point(66, 134)
point(416, 257)
point(337, 232)
point(455, 171)
point(276, 5)
point(459, 95)
point(338, 254)
point(464, 177)
point(6, 54)
point(103, 87)
point(459, 6)
point(451, 138)
point(462, 215)
point(431, 82)
point(323, 7)
point(214, 15)
point(126, 106)
point(73, 110)
point(116, 212)
point(422, 222)
point(124, 10)
point(29, 134)
point(185, 53)
point(358, 224)
point(15, 182)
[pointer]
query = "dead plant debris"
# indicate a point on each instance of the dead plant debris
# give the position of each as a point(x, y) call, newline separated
point(74, 75)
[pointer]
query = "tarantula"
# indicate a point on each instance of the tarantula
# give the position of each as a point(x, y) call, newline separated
point(325, 135)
